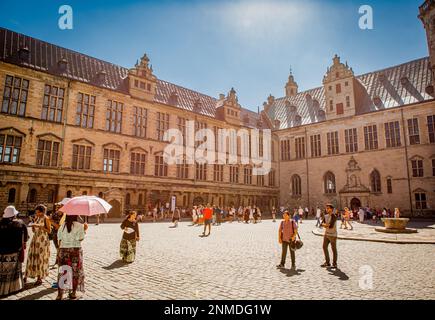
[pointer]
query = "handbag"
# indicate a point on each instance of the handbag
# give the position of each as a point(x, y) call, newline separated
point(297, 244)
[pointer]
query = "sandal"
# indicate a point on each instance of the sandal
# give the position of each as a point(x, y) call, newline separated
point(38, 282)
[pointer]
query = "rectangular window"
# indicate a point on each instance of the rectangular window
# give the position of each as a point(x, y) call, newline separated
point(181, 124)
point(218, 173)
point(431, 128)
point(420, 201)
point(162, 124)
point(433, 167)
point(417, 168)
point(332, 138)
point(351, 139)
point(198, 126)
point(111, 160)
point(371, 137)
point(137, 164)
point(47, 154)
point(392, 134)
point(331, 105)
point(338, 88)
point(285, 150)
point(10, 148)
point(81, 157)
point(300, 148)
point(52, 106)
point(15, 95)
point(85, 110)
point(183, 170)
point(340, 109)
point(272, 178)
point(201, 171)
point(260, 180)
point(160, 167)
point(114, 116)
point(316, 147)
point(389, 185)
point(140, 122)
point(247, 175)
point(347, 102)
point(234, 174)
point(414, 135)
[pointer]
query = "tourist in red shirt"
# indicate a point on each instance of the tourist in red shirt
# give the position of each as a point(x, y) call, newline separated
point(208, 217)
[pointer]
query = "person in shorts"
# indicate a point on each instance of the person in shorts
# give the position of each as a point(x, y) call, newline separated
point(208, 218)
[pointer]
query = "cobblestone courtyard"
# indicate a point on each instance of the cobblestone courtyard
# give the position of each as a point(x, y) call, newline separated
point(238, 262)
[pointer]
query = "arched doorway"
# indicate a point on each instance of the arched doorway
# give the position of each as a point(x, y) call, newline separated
point(115, 212)
point(355, 204)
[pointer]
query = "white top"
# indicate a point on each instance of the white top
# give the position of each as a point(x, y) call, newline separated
point(318, 213)
point(71, 239)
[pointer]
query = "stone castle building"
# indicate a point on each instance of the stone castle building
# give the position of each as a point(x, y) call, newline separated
point(71, 124)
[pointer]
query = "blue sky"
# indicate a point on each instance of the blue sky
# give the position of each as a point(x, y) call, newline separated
point(211, 46)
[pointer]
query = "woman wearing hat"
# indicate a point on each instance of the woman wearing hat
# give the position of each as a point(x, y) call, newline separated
point(39, 251)
point(13, 238)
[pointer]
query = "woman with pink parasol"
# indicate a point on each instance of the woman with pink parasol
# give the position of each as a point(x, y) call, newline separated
point(70, 235)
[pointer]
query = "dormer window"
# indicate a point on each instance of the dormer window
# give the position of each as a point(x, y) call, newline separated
point(377, 101)
point(62, 65)
point(382, 77)
point(24, 54)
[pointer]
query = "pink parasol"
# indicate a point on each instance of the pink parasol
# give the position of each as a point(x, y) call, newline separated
point(86, 206)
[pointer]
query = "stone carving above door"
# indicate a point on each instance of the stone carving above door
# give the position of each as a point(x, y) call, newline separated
point(353, 181)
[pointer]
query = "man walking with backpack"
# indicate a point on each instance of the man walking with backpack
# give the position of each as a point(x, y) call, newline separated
point(286, 235)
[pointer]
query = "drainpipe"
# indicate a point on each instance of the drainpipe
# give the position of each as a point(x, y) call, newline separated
point(407, 162)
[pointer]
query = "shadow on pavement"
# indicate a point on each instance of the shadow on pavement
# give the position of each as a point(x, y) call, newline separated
point(39, 294)
point(338, 273)
point(291, 272)
point(116, 264)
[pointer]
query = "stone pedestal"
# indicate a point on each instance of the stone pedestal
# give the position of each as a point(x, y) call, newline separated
point(395, 225)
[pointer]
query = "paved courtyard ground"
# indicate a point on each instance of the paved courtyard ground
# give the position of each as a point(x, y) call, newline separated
point(238, 262)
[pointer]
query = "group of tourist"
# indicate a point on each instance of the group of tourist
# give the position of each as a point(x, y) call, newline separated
point(68, 231)
point(288, 233)
point(65, 232)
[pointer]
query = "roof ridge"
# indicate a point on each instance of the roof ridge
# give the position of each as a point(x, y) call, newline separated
point(61, 47)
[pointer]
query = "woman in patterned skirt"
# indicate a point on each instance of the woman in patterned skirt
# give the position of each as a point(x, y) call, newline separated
point(13, 238)
point(39, 251)
point(129, 238)
point(70, 236)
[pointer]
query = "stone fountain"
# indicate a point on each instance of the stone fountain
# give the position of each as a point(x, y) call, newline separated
point(395, 225)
